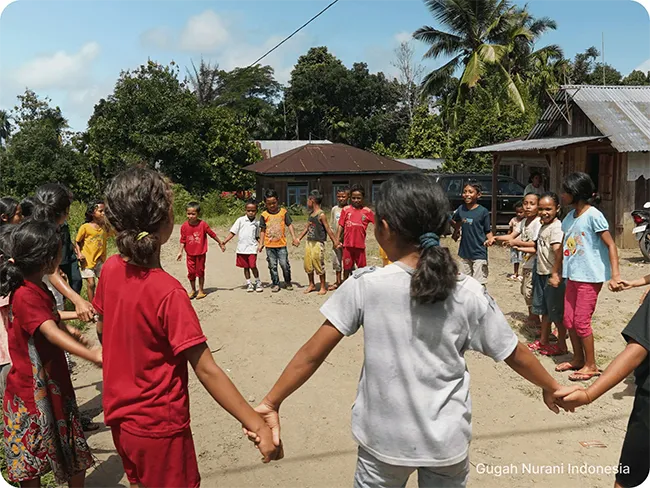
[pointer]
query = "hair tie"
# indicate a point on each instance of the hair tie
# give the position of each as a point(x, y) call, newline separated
point(429, 240)
point(141, 235)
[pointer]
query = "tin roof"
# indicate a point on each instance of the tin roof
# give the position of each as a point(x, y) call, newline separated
point(622, 113)
point(424, 163)
point(328, 158)
point(535, 144)
point(277, 147)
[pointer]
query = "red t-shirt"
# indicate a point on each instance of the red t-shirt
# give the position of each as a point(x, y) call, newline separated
point(31, 306)
point(148, 322)
point(195, 237)
point(355, 222)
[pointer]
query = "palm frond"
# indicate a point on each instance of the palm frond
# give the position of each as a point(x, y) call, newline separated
point(456, 14)
point(551, 52)
point(541, 25)
point(474, 69)
point(513, 91)
point(442, 43)
point(492, 53)
point(436, 80)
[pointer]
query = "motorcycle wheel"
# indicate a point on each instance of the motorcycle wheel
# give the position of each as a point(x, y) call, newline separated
point(644, 245)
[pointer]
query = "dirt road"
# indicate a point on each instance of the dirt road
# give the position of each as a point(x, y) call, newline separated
point(517, 441)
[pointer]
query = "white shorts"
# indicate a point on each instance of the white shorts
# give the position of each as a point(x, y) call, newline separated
point(476, 268)
point(372, 473)
point(92, 272)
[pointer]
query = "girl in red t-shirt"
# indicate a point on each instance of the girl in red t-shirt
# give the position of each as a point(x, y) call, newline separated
point(150, 332)
point(42, 427)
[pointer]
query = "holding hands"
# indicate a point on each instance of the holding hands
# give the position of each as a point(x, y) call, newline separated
point(271, 447)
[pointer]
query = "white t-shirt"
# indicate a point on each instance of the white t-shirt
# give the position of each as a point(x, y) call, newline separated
point(413, 405)
point(529, 233)
point(247, 230)
point(548, 235)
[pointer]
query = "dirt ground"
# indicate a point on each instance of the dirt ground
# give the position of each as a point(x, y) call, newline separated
point(517, 441)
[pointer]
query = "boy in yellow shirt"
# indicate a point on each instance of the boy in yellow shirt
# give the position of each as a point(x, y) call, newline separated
point(91, 245)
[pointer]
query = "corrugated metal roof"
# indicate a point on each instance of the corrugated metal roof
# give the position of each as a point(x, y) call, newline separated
point(535, 144)
point(275, 148)
point(423, 163)
point(328, 158)
point(620, 112)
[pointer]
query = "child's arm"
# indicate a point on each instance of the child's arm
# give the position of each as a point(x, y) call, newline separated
point(68, 315)
point(304, 233)
point(526, 250)
point(213, 234)
point(78, 244)
point(180, 251)
point(77, 250)
point(628, 284)
point(520, 243)
point(292, 231)
point(615, 281)
point(619, 369)
point(339, 234)
point(84, 309)
point(226, 394)
point(261, 245)
point(556, 277)
point(524, 363)
point(328, 229)
point(489, 239)
point(64, 340)
point(229, 238)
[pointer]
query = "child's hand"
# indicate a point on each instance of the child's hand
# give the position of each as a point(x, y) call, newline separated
point(615, 284)
point(179, 257)
point(627, 285)
point(271, 417)
point(549, 400)
point(340, 246)
point(96, 356)
point(223, 247)
point(259, 248)
point(572, 397)
point(554, 280)
point(456, 235)
point(296, 242)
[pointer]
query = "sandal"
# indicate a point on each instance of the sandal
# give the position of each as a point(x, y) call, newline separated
point(535, 346)
point(552, 350)
point(201, 295)
point(577, 376)
point(562, 367)
point(191, 294)
point(333, 287)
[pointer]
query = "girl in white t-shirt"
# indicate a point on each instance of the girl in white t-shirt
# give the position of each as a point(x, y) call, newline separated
point(419, 316)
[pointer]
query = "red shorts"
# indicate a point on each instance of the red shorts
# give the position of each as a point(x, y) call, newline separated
point(158, 461)
point(579, 305)
point(353, 256)
point(246, 261)
point(195, 266)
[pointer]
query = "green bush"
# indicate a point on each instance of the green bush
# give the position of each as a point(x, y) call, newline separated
point(181, 198)
point(296, 210)
point(213, 204)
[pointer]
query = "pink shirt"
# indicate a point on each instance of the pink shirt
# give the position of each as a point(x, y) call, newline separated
point(4, 337)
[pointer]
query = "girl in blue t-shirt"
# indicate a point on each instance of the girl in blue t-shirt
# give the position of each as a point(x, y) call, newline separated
point(590, 258)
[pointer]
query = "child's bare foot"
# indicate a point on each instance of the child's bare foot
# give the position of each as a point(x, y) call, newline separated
point(310, 288)
point(333, 286)
point(568, 366)
point(323, 290)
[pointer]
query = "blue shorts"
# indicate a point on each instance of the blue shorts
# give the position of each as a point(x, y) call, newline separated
point(548, 300)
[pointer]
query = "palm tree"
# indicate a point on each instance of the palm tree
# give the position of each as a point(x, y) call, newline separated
point(205, 80)
point(5, 127)
point(480, 33)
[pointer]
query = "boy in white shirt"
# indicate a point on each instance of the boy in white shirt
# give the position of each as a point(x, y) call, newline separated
point(248, 229)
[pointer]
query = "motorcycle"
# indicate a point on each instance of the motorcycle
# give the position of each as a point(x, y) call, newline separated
point(642, 230)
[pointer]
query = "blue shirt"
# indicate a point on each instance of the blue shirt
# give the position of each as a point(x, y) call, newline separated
point(586, 257)
point(475, 226)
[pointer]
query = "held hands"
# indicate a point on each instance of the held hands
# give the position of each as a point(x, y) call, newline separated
point(296, 242)
point(554, 280)
point(222, 245)
point(616, 284)
point(85, 310)
point(572, 397)
point(259, 248)
point(96, 356)
point(271, 417)
point(179, 257)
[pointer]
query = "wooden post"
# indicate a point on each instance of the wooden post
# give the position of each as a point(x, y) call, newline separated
point(496, 159)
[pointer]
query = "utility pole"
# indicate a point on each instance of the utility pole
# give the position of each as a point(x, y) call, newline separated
point(603, 58)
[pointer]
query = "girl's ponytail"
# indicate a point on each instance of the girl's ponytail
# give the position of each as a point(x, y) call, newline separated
point(11, 277)
point(436, 273)
point(417, 211)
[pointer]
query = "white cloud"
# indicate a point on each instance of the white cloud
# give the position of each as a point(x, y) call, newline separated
point(59, 70)
point(401, 37)
point(205, 32)
point(645, 66)
point(158, 37)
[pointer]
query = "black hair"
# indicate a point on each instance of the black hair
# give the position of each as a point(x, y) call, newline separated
point(27, 207)
point(29, 247)
point(358, 188)
point(90, 210)
point(581, 188)
point(413, 204)
point(345, 189)
point(556, 200)
point(529, 194)
point(519, 204)
point(251, 201)
point(8, 207)
point(51, 202)
point(316, 196)
point(532, 176)
point(270, 194)
point(138, 201)
point(474, 184)
point(195, 205)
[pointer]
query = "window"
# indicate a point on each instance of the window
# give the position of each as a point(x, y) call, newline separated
point(297, 194)
point(338, 186)
point(510, 187)
point(375, 191)
point(452, 186)
point(486, 184)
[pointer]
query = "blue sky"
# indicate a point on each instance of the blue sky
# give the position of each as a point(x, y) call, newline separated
point(73, 51)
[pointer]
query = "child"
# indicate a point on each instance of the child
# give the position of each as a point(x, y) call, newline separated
point(195, 243)
point(91, 245)
point(247, 228)
point(516, 257)
point(635, 454)
point(353, 225)
point(5, 358)
point(42, 430)
point(316, 231)
point(548, 300)
point(534, 184)
point(150, 332)
point(273, 224)
point(590, 258)
point(413, 407)
point(474, 219)
point(10, 211)
point(342, 197)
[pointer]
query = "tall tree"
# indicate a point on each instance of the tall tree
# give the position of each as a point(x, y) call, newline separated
point(479, 33)
point(205, 81)
point(5, 127)
point(409, 75)
point(636, 77)
point(583, 66)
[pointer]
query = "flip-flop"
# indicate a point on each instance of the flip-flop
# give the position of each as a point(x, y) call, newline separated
point(577, 376)
point(562, 367)
point(535, 346)
point(551, 350)
point(201, 295)
point(191, 294)
point(332, 287)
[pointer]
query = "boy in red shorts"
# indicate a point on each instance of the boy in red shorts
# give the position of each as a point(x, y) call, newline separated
point(248, 230)
point(353, 224)
point(194, 240)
